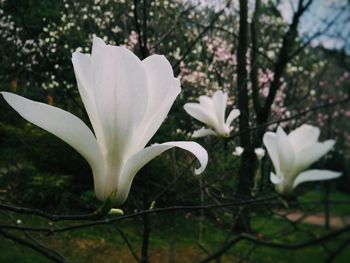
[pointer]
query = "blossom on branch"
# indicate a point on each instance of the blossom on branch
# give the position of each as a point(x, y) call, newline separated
point(238, 151)
point(292, 154)
point(211, 111)
point(126, 100)
point(260, 153)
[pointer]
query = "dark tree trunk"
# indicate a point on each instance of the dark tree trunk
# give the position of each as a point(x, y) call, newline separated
point(246, 173)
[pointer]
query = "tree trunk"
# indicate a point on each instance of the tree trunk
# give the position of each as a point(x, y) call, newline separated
point(246, 172)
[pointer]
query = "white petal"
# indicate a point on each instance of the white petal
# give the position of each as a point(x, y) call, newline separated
point(64, 125)
point(311, 154)
point(303, 136)
point(285, 151)
point(98, 45)
point(83, 73)
point(84, 76)
point(315, 175)
point(270, 142)
point(207, 103)
point(220, 101)
point(121, 95)
point(137, 161)
point(148, 153)
point(200, 113)
point(233, 115)
point(203, 132)
point(163, 89)
point(276, 179)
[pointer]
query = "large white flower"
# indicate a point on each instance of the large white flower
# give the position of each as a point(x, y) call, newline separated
point(211, 111)
point(292, 154)
point(127, 100)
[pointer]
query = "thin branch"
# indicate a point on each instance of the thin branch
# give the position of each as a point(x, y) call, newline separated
point(315, 35)
point(105, 221)
point(283, 58)
point(37, 247)
point(266, 124)
point(267, 243)
point(340, 248)
point(141, 35)
point(172, 28)
point(254, 28)
point(235, 36)
point(128, 243)
point(200, 35)
point(45, 57)
point(97, 214)
point(145, 29)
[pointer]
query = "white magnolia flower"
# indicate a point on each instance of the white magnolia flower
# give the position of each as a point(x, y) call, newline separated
point(127, 100)
point(211, 111)
point(292, 154)
point(238, 151)
point(259, 152)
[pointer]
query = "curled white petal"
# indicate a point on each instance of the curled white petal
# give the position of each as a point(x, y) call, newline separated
point(136, 162)
point(276, 179)
point(148, 153)
point(315, 175)
point(232, 116)
point(203, 132)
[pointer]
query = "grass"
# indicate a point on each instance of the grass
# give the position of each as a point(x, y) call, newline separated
point(340, 209)
point(178, 232)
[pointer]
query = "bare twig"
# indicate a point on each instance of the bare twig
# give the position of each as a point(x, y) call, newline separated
point(267, 243)
point(137, 214)
point(266, 124)
point(200, 35)
point(53, 255)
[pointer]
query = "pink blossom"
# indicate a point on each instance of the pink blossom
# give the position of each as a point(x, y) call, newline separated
point(132, 40)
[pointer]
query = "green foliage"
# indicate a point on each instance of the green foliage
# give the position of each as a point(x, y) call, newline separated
point(12, 253)
point(45, 190)
point(29, 187)
point(89, 198)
